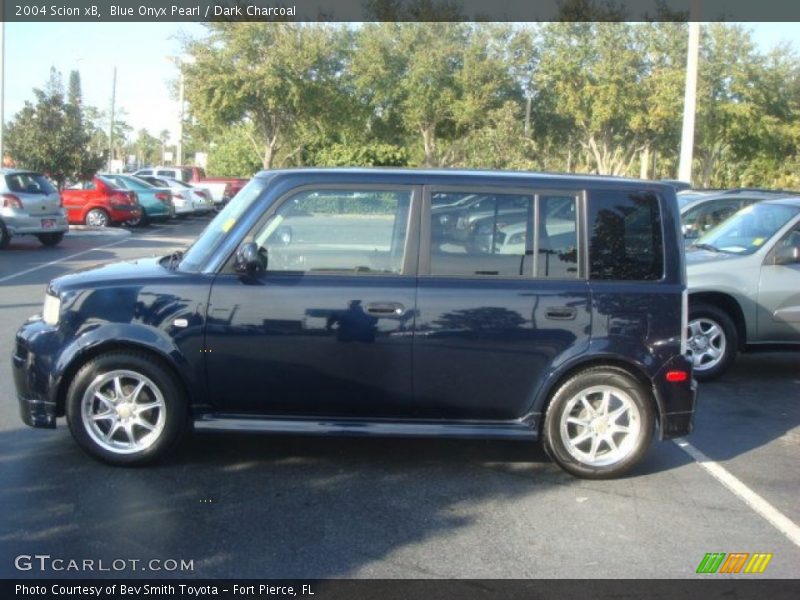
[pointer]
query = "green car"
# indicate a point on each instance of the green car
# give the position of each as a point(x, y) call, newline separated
point(156, 202)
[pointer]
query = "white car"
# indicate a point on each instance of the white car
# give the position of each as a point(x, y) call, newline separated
point(188, 199)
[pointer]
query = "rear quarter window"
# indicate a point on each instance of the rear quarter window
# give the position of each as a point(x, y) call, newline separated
point(625, 236)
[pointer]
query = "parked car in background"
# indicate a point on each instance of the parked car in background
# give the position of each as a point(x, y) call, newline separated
point(99, 203)
point(700, 213)
point(222, 189)
point(330, 290)
point(187, 198)
point(156, 202)
point(30, 205)
point(744, 286)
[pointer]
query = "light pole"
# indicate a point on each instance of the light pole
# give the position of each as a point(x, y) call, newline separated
point(690, 95)
point(184, 59)
point(111, 121)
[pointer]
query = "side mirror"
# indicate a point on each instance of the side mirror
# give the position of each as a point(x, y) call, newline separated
point(249, 260)
point(788, 255)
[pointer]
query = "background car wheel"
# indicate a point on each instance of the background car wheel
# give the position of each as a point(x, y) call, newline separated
point(712, 341)
point(97, 217)
point(139, 221)
point(5, 238)
point(126, 408)
point(51, 239)
point(599, 423)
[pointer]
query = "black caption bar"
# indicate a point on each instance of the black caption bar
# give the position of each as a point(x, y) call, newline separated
point(397, 589)
point(398, 10)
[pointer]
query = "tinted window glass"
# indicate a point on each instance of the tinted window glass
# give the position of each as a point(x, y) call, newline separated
point(338, 230)
point(29, 183)
point(625, 236)
point(481, 234)
point(166, 173)
point(558, 237)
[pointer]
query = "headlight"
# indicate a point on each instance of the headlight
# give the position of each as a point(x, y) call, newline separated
point(51, 310)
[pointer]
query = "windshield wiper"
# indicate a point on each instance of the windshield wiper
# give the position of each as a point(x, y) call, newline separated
point(706, 247)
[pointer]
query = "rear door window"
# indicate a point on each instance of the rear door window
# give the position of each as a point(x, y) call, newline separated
point(29, 183)
point(625, 236)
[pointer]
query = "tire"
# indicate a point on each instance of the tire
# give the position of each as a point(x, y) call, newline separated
point(570, 444)
point(711, 332)
point(51, 239)
point(167, 417)
point(141, 221)
point(5, 237)
point(97, 217)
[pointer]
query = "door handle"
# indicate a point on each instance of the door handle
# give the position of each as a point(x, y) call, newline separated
point(385, 308)
point(561, 313)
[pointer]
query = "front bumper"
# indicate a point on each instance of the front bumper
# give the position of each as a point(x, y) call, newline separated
point(34, 358)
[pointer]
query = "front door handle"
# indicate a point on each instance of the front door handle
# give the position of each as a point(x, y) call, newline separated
point(561, 313)
point(385, 308)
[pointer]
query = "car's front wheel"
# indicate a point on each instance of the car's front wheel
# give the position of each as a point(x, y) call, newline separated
point(126, 408)
point(599, 423)
point(712, 341)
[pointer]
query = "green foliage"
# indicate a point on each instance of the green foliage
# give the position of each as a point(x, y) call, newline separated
point(234, 154)
point(50, 135)
point(362, 155)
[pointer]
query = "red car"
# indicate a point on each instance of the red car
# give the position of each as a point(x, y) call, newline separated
point(97, 204)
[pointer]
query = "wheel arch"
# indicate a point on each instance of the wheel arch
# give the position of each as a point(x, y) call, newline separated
point(730, 305)
point(631, 368)
point(87, 354)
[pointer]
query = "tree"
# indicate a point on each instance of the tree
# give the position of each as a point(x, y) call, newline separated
point(49, 135)
point(271, 75)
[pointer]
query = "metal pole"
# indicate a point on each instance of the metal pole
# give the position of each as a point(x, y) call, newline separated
point(690, 95)
point(111, 122)
point(179, 149)
point(2, 87)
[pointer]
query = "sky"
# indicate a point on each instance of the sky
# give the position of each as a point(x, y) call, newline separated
point(140, 52)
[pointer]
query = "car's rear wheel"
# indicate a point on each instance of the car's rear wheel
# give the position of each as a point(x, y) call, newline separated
point(712, 341)
point(97, 217)
point(5, 237)
point(126, 408)
point(599, 423)
point(51, 239)
point(139, 221)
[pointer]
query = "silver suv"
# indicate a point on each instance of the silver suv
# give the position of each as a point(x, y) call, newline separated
point(744, 286)
point(30, 205)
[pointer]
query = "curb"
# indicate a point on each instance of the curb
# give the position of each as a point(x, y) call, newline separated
point(83, 231)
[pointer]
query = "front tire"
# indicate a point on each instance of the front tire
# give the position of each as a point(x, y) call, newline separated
point(50, 239)
point(126, 408)
point(599, 423)
point(712, 341)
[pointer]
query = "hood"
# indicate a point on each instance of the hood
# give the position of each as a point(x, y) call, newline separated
point(695, 256)
point(136, 271)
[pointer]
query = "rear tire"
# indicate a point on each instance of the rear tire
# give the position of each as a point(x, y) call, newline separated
point(713, 341)
point(5, 237)
point(599, 423)
point(97, 218)
point(126, 408)
point(51, 239)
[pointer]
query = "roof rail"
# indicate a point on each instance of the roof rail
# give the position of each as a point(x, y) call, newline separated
point(761, 191)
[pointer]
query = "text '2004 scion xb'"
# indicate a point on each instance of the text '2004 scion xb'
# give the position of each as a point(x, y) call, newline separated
point(384, 302)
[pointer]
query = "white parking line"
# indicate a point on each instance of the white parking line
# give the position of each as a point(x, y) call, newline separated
point(55, 262)
point(775, 517)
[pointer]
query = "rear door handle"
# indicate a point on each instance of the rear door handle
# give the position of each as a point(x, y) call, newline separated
point(385, 308)
point(561, 313)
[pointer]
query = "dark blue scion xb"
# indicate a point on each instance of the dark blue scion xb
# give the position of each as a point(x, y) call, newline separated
point(384, 302)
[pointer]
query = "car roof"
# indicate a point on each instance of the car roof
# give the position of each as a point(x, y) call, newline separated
point(787, 200)
point(458, 176)
point(8, 171)
point(762, 195)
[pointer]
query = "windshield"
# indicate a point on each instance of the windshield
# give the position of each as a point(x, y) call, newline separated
point(217, 230)
point(749, 229)
point(128, 183)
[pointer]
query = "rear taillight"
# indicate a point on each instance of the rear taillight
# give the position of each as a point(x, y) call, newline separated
point(677, 376)
point(10, 201)
point(121, 198)
point(178, 195)
point(163, 197)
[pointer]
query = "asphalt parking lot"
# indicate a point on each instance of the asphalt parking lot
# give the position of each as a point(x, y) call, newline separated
point(299, 507)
